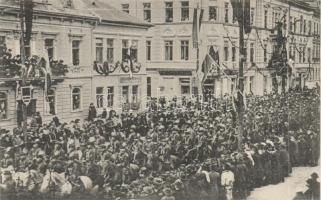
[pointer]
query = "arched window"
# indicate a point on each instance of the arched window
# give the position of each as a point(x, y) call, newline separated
point(76, 98)
point(3, 105)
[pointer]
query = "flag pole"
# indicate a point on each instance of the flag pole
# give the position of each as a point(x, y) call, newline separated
point(241, 80)
point(198, 53)
point(23, 58)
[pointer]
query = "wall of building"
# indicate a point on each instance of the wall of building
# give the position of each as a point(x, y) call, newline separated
point(63, 29)
point(221, 34)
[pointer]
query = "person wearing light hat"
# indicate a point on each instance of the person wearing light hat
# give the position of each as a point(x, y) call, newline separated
point(7, 187)
point(168, 194)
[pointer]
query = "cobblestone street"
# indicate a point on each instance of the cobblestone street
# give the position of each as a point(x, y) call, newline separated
point(285, 191)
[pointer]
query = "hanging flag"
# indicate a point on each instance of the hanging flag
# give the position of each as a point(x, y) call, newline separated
point(247, 16)
point(195, 29)
point(237, 9)
point(44, 66)
point(200, 19)
point(215, 56)
point(208, 66)
point(28, 13)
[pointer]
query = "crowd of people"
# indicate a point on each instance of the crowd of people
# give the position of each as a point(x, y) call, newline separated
point(174, 152)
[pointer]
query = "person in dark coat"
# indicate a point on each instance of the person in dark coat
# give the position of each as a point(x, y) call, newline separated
point(104, 114)
point(38, 119)
point(284, 162)
point(275, 166)
point(92, 112)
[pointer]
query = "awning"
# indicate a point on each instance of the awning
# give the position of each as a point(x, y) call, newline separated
point(175, 73)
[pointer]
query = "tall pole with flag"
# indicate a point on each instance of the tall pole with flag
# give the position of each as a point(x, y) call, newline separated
point(241, 10)
point(23, 57)
point(197, 20)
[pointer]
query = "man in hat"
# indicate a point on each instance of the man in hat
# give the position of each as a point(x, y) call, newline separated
point(315, 186)
point(7, 188)
point(227, 181)
point(168, 194)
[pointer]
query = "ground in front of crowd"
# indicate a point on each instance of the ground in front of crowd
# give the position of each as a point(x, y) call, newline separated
point(286, 190)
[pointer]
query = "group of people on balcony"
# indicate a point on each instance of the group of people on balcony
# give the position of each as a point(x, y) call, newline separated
point(172, 153)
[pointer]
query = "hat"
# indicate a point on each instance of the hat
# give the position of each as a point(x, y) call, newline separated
point(167, 191)
point(158, 181)
point(314, 175)
point(6, 172)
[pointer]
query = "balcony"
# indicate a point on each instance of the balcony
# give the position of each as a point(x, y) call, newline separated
point(34, 70)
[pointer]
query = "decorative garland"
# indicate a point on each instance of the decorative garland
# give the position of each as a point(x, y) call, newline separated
point(10, 66)
point(127, 65)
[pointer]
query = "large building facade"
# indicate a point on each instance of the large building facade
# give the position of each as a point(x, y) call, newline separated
point(78, 33)
point(172, 61)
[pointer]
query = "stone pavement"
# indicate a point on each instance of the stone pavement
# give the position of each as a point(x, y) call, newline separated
point(286, 190)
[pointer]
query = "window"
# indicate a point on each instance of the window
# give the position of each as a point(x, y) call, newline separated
point(212, 13)
point(110, 50)
point(184, 11)
point(301, 24)
point(2, 45)
point(314, 28)
point(303, 54)
point(234, 18)
point(135, 94)
point(185, 89)
point(304, 26)
point(75, 52)
point(291, 24)
point(273, 19)
point(294, 25)
point(3, 106)
point(251, 84)
point(233, 81)
point(125, 94)
point(125, 7)
point(294, 54)
point(184, 49)
point(110, 96)
point(265, 53)
point(149, 86)
point(265, 18)
point(148, 50)
point(49, 46)
point(233, 53)
point(226, 13)
point(68, 4)
point(226, 51)
point(147, 12)
point(99, 50)
point(245, 52)
point(309, 55)
point(252, 52)
point(300, 54)
point(290, 52)
point(99, 97)
point(252, 16)
point(309, 27)
point(168, 50)
point(134, 51)
point(51, 102)
point(169, 12)
point(76, 98)
point(125, 48)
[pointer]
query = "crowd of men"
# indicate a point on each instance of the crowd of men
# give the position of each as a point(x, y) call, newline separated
point(174, 152)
